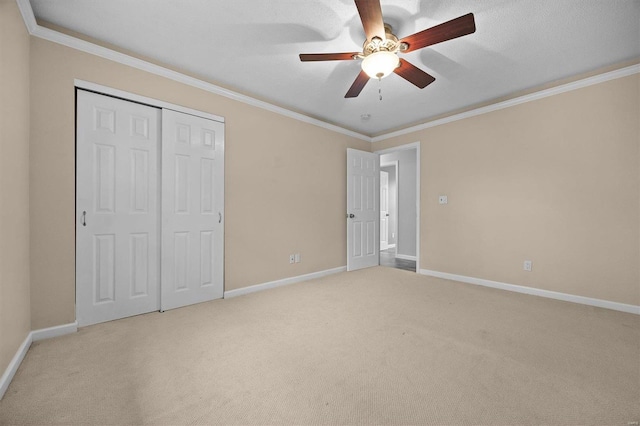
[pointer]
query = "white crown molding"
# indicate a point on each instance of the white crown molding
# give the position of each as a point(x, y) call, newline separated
point(607, 304)
point(589, 81)
point(27, 15)
point(278, 283)
point(87, 47)
point(103, 52)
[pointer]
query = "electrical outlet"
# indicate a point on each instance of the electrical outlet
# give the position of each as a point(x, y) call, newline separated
point(443, 199)
point(528, 265)
point(297, 257)
point(292, 258)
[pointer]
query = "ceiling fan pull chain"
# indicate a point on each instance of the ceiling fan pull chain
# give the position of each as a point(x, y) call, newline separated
point(380, 88)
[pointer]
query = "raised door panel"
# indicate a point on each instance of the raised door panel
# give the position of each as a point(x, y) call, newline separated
point(181, 261)
point(206, 258)
point(105, 178)
point(181, 185)
point(140, 264)
point(140, 178)
point(104, 271)
point(207, 168)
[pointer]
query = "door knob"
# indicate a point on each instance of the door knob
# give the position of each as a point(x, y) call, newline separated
point(351, 215)
point(387, 215)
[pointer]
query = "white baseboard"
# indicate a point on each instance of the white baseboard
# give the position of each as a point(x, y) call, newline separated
point(59, 330)
point(33, 336)
point(405, 257)
point(279, 283)
point(6, 378)
point(607, 304)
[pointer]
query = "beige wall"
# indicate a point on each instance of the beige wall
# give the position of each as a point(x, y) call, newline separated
point(284, 190)
point(15, 318)
point(555, 181)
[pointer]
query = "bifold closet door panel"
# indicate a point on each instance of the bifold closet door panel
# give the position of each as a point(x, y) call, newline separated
point(117, 208)
point(192, 209)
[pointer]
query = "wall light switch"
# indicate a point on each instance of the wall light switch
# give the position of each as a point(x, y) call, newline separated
point(527, 265)
point(297, 257)
point(442, 199)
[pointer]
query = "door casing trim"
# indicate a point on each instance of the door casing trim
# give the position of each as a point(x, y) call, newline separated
point(416, 146)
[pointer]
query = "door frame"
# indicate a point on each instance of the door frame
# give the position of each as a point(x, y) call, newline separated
point(132, 97)
point(386, 238)
point(394, 164)
point(416, 146)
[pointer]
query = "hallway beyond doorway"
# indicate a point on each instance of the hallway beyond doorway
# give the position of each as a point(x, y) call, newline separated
point(388, 258)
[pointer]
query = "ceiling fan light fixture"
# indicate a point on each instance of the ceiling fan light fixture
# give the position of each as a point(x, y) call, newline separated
point(380, 64)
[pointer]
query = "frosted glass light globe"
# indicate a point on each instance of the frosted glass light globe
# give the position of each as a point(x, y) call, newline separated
point(380, 64)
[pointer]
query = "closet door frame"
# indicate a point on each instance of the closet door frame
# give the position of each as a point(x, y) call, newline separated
point(127, 96)
point(116, 93)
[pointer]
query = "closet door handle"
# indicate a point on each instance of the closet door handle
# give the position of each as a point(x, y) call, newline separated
point(84, 218)
point(219, 217)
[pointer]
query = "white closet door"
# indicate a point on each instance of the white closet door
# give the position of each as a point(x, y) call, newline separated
point(363, 212)
point(117, 250)
point(192, 209)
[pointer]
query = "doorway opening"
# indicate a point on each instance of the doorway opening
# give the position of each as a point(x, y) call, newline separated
point(400, 207)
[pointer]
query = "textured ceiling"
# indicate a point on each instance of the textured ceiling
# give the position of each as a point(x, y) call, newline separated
point(252, 46)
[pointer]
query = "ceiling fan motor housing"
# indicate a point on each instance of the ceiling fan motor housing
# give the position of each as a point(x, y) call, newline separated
point(389, 44)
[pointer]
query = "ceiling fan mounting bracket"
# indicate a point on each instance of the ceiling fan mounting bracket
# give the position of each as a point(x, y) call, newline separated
point(389, 44)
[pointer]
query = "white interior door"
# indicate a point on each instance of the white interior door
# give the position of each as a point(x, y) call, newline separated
point(384, 210)
point(117, 249)
point(192, 209)
point(363, 197)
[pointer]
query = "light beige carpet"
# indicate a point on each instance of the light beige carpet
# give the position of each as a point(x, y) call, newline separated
point(377, 346)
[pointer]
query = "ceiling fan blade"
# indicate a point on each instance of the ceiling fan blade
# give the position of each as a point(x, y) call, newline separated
point(413, 74)
point(446, 31)
point(304, 57)
point(357, 85)
point(371, 17)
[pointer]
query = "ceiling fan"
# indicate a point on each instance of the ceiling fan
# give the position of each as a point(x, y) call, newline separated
point(380, 50)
